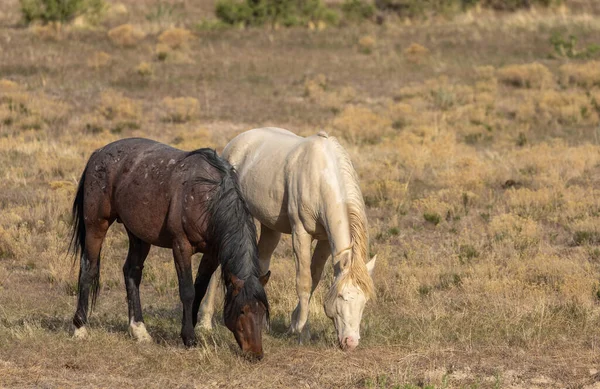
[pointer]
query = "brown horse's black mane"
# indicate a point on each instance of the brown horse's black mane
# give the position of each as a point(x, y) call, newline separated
point(231, 235)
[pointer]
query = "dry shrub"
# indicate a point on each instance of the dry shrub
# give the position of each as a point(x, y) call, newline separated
point(162, 51)
point(533, 75)
point(539, 204)
point(175, 38)
point(425, 149)
point(315, 86)
point(554, 164)
point(144, 69)
point(416, 53)
point(585, 74)
point(486, 82)
point(361, 125)
point(114, 106)
point(442, 205)
point(439, 94)
point(48, 32)
point(180, 109)
point(386, 193)
point(30, 111)
point(318, 91)
point(6, 245)
point(521, 232)
point(465, 171)
point(402, 114)
point(99, 60)
point(367, 44)
point(162, 276)
point(116, 11)
point(578, 203)
point(125, 35)
point(566, 107)
point(586, 231)
point(486, 72)
point(558, 277)
point(8, 85)
point(191, 139)
point(61, 271)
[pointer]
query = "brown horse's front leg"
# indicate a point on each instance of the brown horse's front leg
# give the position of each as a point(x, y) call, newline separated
point(182, 253)
point(206, 268)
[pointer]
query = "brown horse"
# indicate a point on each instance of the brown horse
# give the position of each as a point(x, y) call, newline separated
point(187, 201)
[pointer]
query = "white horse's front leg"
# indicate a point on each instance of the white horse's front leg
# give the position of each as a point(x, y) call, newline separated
point(269, 239)
point(207, 307)
point(301, 244)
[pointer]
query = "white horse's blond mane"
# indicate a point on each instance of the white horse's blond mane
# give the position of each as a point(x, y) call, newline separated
point(359, 232)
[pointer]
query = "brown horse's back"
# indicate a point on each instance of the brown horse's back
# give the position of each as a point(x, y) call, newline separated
point(149, 187)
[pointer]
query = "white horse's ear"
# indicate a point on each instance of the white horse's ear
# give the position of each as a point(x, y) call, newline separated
point(371, 265)
point(345, 259)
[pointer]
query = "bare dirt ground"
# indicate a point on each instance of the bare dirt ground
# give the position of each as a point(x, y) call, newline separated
point(477, 145)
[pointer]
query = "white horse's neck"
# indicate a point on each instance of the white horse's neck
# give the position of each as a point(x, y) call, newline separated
point(337, 223)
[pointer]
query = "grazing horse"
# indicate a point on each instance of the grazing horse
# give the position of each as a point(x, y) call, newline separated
point(187, 201)
point(307, 187)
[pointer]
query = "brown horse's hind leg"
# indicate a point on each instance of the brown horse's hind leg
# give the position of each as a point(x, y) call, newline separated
point(132, 271)
point(89, 273)
point(182, 253)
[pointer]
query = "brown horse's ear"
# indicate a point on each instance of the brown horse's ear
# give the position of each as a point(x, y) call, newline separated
point(265, 278)
point(237, 283)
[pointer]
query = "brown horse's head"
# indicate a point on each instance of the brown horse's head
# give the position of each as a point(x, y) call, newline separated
point(246, 312)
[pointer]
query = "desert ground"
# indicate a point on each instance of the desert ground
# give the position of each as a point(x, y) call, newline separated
point(476, 139)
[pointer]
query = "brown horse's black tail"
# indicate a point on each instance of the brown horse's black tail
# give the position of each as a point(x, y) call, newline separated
point(77, 245)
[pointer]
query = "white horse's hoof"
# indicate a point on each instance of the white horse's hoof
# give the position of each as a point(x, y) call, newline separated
point(138, 331)
point(206, 325)
point(80, 333)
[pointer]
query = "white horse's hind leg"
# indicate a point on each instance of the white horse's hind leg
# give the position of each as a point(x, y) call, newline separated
point(207, 307)
point(301, 243)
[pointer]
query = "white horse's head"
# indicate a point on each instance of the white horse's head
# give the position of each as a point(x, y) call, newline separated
point(346, 301)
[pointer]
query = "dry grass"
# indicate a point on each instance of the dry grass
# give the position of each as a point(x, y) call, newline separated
point(125, 35)
point(478, 155)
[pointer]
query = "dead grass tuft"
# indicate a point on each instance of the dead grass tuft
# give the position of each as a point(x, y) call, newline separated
point(180, 109)
point(99, 60)
point(116, 107)
point(367, 44)
point(144, 69)
point(533, 75)
point(8, 85)
point(416, 53)
point(48, 32)
point(176, 38)
point(360, 125)
point(125, 35)
point(320, 92)
point(585, 74)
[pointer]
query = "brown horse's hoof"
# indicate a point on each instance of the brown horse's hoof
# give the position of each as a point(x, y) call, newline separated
point(190, 342)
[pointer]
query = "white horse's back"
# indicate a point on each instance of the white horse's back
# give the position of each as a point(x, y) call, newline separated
point(276, 166)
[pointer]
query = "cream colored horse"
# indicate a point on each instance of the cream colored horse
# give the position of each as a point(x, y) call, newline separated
point(307, 187)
